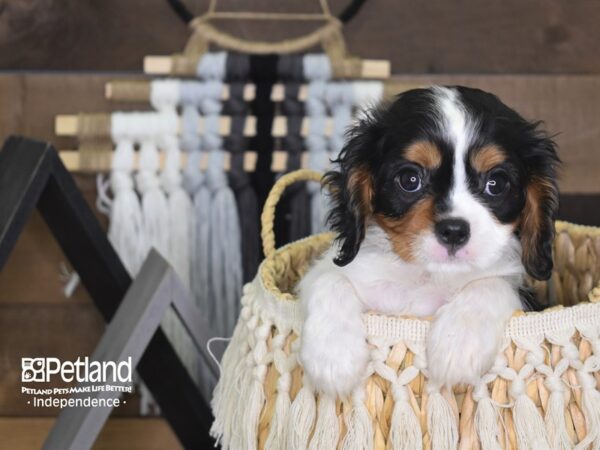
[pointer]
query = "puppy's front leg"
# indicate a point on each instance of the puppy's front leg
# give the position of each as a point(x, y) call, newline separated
point(467, 332)
point(334, 351)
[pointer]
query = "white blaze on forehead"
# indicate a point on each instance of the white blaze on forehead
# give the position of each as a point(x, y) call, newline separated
point(459, 130)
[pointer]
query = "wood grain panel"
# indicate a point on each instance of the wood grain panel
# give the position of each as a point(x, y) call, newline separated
point(437, 36)
point(118, 434)
point(34, 272)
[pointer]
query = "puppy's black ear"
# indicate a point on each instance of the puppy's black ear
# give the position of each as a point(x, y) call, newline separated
point(351, 190)
point(351, 184)
point(541, 205)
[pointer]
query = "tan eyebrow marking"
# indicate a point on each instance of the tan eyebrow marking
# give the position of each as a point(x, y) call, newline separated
point(424, 153)
point(488, 157)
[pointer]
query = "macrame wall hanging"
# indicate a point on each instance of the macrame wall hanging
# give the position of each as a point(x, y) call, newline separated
point(200, 208)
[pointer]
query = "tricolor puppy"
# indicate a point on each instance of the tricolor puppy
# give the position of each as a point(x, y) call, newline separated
point(442, 201)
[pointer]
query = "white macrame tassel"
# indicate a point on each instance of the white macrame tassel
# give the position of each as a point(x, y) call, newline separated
point(284, 364)
point(154, 202)
point(486, 424)
point(590, 398)
point(125, 230)
point(256, 397)
point(301, 418)
point(225, 398)
point(327, 427)
point(556, 426)
point(529, 426)
point(441, 423)
point(359, 426)
point(405, 430)
point(179, 211)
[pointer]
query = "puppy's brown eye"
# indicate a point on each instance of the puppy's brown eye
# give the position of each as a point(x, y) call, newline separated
point(496, 184)
point(409, 180)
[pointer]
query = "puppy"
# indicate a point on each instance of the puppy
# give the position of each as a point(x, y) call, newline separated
point(442, 201)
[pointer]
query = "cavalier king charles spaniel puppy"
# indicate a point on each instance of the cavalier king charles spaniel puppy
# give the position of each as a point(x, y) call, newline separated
point(442, 201)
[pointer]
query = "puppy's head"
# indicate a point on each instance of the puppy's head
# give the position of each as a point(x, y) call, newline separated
point(453, 176)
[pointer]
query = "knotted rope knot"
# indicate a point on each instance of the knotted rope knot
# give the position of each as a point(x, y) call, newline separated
point(164, 94)
point(212, 65)
point(147, 181)
point(123, 158)
point(553, 380)
point(592, 335)
point(480, 391)
point(586, 371)
point(171, 180)
point(253, 321)
point(399, 386)
point(215, 176)
point(316, 66)
point(518, 386)
point(248, 290)
point(284, 364)
point(120, 182)
point(246, 312)
point(420, 355)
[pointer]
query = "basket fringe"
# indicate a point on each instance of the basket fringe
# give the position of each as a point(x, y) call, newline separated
point(301, 418)
point(555, 422)
point(359, 434)
point(486, 424)
point(591, 406)
point(441, 423)
point(225, 399)
point(529, 426)
point(253, 407)
point(405, 430)
point(556, 426)
point(284, 365)
point(277, 433)
point(327, 427)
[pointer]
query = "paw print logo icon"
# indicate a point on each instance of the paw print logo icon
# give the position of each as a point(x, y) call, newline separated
point(32, 370)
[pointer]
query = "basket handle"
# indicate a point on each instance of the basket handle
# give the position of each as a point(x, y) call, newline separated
point(267, 217)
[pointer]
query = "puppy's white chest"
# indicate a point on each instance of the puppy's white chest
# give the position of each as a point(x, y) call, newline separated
point(414, 296)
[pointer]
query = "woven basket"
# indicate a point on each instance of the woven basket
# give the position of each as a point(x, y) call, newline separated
point(540, 394)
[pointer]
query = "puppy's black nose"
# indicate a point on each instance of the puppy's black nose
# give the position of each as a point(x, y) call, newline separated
point(452, 233)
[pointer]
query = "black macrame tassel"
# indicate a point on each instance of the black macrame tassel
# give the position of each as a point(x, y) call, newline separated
point(238, 67)
point(263, 72)
point(293, 218)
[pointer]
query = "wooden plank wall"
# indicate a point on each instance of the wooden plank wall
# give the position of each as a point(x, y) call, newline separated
point(540, 56)
point(436, 36)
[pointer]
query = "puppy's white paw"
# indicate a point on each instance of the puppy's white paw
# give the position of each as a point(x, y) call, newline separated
point(334, 355)
point(461, 349)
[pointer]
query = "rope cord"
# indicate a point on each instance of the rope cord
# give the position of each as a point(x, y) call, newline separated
point(186, 16)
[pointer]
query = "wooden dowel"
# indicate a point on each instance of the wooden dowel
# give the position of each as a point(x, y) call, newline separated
point(139, 91)
point(163, 65)
point(68, 125)
point(72, 161)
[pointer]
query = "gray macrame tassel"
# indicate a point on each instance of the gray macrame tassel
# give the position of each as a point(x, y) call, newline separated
point(317, 70)
point(225, 240)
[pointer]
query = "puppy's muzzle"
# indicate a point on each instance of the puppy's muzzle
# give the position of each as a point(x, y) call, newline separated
point(452, 233)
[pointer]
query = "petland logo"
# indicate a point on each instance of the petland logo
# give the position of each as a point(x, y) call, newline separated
point(41, 370)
